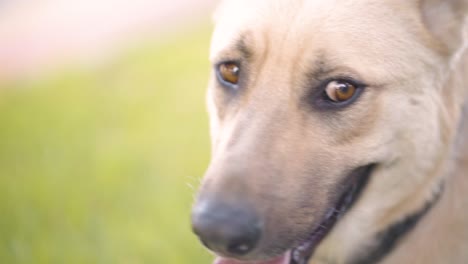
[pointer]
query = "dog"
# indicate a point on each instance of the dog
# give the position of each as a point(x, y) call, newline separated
point(339, 133)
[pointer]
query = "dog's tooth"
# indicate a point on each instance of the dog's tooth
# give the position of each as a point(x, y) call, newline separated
point(296, 256)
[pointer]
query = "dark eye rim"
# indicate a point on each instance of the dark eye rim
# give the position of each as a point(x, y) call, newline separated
point(220, 79)
point(323, 102)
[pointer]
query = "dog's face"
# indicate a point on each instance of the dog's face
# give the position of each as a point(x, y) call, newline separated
point(315, 104)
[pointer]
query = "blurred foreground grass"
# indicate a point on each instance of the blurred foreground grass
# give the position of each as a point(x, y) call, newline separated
point(94, 166)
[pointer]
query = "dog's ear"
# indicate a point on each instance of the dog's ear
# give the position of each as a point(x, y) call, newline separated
point(447, 20)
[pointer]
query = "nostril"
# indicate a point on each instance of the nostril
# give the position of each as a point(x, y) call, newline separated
point(244, 242)
point(240, 248)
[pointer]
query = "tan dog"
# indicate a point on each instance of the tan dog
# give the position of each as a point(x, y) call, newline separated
point(338, 134)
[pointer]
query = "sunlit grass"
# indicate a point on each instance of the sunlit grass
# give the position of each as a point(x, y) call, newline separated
point(95, 167)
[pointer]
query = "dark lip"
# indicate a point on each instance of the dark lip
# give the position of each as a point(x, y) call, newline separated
point(355, 183)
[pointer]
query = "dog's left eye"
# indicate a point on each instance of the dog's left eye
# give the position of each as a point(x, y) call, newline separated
point(340, 91)
point(228, 72)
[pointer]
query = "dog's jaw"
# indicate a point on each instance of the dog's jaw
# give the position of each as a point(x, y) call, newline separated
point(300, 254)
point(356, 182)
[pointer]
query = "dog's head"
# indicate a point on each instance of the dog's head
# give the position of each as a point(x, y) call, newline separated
point(315, 104)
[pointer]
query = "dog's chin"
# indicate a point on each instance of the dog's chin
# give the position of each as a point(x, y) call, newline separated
point(300, 254)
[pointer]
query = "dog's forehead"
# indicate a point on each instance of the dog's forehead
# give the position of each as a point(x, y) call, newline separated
point(349, 31)
point(235, 18)
point(302, 18)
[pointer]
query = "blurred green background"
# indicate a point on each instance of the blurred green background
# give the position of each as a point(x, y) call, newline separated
point(99, 166)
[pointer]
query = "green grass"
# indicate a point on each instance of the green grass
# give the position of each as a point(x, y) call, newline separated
point(95, 166)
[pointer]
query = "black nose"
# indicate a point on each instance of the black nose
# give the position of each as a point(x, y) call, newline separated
point(229, 230)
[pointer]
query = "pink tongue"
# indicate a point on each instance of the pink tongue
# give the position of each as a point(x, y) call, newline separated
point(284, 259)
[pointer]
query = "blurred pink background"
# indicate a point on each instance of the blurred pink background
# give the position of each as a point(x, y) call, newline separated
point(41, 36)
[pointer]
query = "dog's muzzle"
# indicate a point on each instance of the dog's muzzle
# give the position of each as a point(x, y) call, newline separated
point(233, 230)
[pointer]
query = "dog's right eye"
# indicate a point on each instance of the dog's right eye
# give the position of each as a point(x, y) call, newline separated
point(228, 73)
point(339, 91)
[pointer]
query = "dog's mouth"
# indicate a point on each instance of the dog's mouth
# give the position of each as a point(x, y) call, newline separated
point(300, 254)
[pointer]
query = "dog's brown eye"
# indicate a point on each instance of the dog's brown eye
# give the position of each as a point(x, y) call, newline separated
point(229, 72)
point(339, 91)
